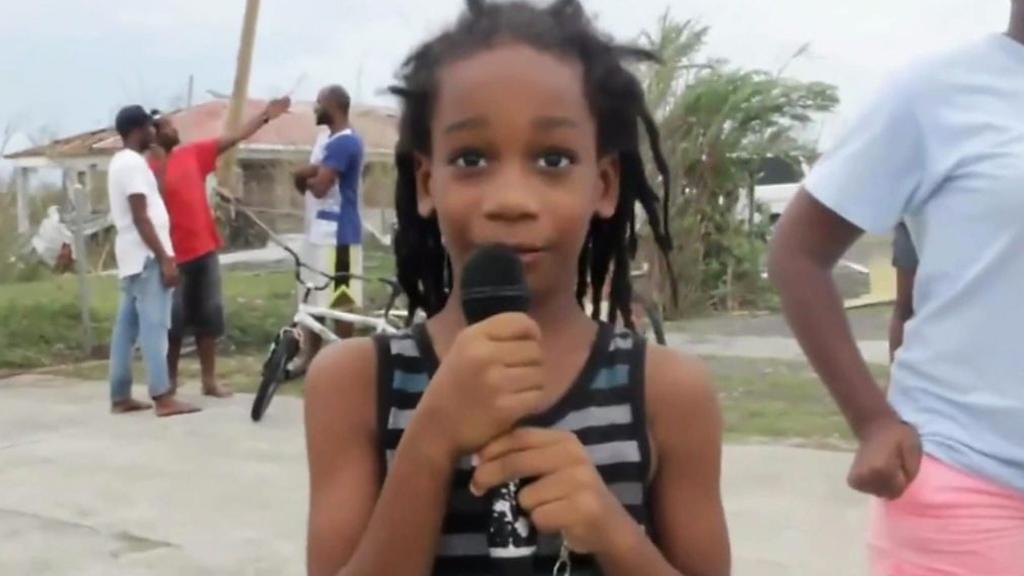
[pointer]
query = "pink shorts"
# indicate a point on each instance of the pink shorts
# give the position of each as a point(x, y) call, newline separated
point(948, 523)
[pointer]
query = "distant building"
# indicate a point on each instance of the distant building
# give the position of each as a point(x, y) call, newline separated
point(265, 160)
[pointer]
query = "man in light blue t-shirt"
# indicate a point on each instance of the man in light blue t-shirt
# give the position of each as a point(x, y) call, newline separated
point(941, 149)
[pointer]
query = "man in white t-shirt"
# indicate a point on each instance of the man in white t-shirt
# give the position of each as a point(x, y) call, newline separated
point(941, 149)
point(145, 266)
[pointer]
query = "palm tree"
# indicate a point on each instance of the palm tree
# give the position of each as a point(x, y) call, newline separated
point(718, 123)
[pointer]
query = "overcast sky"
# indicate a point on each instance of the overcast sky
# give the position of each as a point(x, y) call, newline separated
point(67, 65)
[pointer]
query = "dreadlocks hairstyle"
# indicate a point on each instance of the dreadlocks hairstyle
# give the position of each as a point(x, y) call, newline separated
point(617, 103)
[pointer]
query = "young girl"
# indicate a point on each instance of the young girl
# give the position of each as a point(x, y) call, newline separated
point(520, 126)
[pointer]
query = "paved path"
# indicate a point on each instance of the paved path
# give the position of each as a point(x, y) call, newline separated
point(86, 493)
point(769, 347)
point(870, 323)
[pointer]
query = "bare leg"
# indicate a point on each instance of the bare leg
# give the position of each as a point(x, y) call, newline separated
point(168, 405)
point(173, 357)
point(207, 347)
point(311, 343)
point(129, 405)
point(344, 329)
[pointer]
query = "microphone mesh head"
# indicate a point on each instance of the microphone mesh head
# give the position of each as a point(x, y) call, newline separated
point(493, 282)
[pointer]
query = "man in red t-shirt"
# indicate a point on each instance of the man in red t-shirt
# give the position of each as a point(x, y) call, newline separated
point(181, 171)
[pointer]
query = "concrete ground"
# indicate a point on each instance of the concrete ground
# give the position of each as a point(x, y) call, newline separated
point(767, 335)
point(86, 493)
point(765, 347)
point(869, 323)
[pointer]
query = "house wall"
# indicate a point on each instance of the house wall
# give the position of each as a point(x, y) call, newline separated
point(379, 185)
point(96, 184)
point(267, 186)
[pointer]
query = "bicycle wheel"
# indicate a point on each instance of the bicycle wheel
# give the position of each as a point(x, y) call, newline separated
point(285, 346)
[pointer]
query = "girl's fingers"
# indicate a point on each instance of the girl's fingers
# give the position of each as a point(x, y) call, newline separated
point(520, 379)
point(520, 439)
point(553, 517)
point(515, 465)
point(520, 405)
point(520, 354)
point(549, 489)
point(510, 327)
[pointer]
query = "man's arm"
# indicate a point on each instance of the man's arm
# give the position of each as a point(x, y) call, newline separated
point(339, 154)
point(301, 176)
point(322, 182)
point(140, 217)
point(809, 240)
point(274, 109)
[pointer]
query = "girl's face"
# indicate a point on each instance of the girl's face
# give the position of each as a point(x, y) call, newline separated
point(514, 161)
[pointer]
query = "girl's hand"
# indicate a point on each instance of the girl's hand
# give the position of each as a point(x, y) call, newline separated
point(568, 495)
point(491, 378)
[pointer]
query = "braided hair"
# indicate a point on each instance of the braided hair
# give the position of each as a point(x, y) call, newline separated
point(618, 105)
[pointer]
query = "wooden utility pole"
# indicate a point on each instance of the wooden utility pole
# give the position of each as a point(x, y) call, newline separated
point(226, 170)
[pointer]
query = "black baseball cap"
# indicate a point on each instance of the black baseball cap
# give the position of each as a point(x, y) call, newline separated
point(131, 118)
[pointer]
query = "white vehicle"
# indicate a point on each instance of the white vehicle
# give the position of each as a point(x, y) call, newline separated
point(777, 184)
point(778, 181)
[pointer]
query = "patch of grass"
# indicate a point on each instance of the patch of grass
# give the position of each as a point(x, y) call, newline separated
point(761, 400)
point(36, 334)
point(776, 399)
point(868, 323)
point(40, 322)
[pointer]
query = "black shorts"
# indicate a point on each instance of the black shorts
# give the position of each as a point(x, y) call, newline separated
point(198, 307)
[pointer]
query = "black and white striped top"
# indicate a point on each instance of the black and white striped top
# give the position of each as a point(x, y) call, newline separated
point(604, 407)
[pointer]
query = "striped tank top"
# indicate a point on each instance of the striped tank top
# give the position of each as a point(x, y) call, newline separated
point(604, 407)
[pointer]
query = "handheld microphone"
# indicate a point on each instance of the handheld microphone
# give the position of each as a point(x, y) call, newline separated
point(493, 282)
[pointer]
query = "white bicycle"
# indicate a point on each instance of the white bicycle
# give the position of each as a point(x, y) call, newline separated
point(288, 341)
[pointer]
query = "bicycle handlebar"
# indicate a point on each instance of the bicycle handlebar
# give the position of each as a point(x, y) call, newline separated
point(395, 290)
